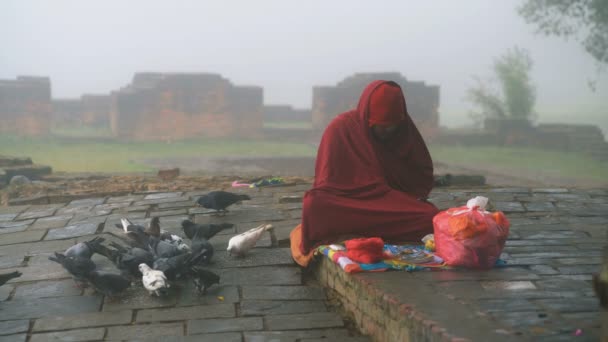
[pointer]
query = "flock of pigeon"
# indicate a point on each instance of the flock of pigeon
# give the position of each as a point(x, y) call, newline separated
point(155, 256)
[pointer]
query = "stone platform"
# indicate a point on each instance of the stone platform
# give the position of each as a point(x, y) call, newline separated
point(543, 294)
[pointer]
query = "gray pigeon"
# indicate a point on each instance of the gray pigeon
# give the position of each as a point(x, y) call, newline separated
point(203, 279)
point(84, 249)
point(205, 230)
point(78, 267)
point(163, 248)
point(220, 200)
point(126, 259)
point(176, 267)
point(202, 250)
point(8, 276)
point(136, 233)
point(110, 284)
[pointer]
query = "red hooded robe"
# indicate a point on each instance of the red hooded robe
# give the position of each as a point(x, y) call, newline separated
point(363, 187)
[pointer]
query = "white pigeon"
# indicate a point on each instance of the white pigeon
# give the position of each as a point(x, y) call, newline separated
point(179, 242)
point(153, 280)
point(242, 243)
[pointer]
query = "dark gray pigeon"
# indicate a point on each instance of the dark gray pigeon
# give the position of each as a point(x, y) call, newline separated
point(202, 250)
point(207, 231)
point(220, 200)
point(136, 233)
point(162, 248)
point(203, 279)
point(176, 267)
point(78, 267)
point(84, 249)
point(8, 276)
point(110, 284)
point(126, 259)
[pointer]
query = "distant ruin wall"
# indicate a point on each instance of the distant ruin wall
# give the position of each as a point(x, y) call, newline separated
point(177, 106)
point(25, 105)
point(422, 100)
point(286, 113)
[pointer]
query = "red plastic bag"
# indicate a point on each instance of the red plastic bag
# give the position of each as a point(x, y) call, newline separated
point(470, 236)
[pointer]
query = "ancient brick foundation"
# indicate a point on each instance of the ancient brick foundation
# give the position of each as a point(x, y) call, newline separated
point(176, 106)
point(25, 105)
point(422, 100)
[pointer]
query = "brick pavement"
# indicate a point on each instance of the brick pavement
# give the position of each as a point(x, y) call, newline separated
point(545, 293)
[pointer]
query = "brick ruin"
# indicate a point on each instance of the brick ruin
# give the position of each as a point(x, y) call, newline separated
point(88, 110)
point(167, 106)
point(285, 113)
point(25, 105)
point(422, 100)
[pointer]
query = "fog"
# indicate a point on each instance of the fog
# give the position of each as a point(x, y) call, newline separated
point(287, 47)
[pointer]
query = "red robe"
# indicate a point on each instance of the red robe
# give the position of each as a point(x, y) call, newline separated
point(365, 188)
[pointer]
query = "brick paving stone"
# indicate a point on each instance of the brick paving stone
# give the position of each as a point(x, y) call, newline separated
point(255, 257)
point(10, 261)
point(578, 269)
point(14, 338)
point(262, 276)
point(591, 260)
point(75, 210)
point(272, 307)
point(543, 269)
point(496, 305)
point(83, 320)
point(93, 334)
point(127, 198)
point(172, 205)
point(570, 305)
point(223, 337)
point(315, 320)
point(509, 207)
point(145, 332)
point(14, 327)
point(36, 213)
point(508, 285)
point(131, 209)
point(8, 216)
point(43, 289)
point(160, 200)
point(550, 190)
point(42, 307)
point(208, 326)
point(282, 293)
point(13, 209)
point(5, 292)
point(110, 206)
point(13, 228)
point(296, 335)
point(87, 202)
point(540, 206)
point(137, 298)
point(217, 294)
point(168, 212)
point(557, 234)
point(20, 237)
point(72, 231)
point(238, 216)
point(51, 222)
point(508, 273)
point(33, 248)
point(163, 195)
point(184, 313)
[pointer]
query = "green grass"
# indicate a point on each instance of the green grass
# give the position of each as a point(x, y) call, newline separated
point(288, 124)
point(95, 156)
point(77, 131)
point(511, 160)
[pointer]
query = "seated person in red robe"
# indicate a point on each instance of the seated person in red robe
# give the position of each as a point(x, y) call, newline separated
point(373, 174)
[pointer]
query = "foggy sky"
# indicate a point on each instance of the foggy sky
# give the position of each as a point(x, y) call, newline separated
point(289, 46)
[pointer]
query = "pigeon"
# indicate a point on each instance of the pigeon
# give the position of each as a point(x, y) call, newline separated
point(153, 280)
point(220, 200)
point(242, 243)
point(84, 249)
point(177, 242)
point(126, 259)
point(203, 279)
point(110, 284)
point(176, 267)
point(154, 227)
point(136, 233)
point(4, 278)
point(202, 250)
point(163, 248)
point(78, 267)
point(205, 230)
